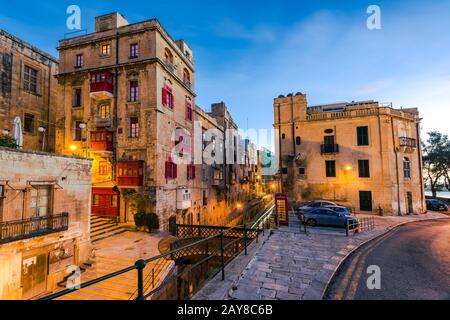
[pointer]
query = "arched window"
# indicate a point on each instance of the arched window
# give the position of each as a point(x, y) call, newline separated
point(298, 141)
point(406, 168)
point(168, 57)
point(186, 75)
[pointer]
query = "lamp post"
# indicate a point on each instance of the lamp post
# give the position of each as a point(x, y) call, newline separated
point(42, 130)
point(84, 126)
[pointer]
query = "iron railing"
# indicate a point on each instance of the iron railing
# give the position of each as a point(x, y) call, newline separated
point(219, 247)
point(408, 142)
point(329, 148)
point(33, 227)
point(363, 224)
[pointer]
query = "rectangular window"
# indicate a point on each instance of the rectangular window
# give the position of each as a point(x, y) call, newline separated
point(191, 172)
point(40, 201)
point(77, 130)
point(406, 168)
point(134, 127)
point(106, 49)
point(133, 94)
point(188, 111)
point(30, 79)
point(301, 171)
point(363, 168)
point(102, 168)
point(171, 170)
point(330, 168)
point(96, 200)
point(167, 98)
point(28, 123)
point(134, 51)
point(79, 61)
point(103, 110)
point(363, 136)
point(76, 98)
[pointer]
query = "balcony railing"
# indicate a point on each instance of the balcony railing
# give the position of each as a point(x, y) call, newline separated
point(102, 121)
point(408, 142)
point(187, 83)
point(170, 66)
point(33, 227)
point(329, 148)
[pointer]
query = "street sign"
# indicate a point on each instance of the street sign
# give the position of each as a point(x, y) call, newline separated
point(281, 209)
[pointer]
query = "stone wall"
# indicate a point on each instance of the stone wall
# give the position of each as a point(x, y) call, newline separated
point(69, 179)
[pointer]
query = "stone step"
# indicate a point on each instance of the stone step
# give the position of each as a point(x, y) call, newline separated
point(107, 236)
point(104, 230)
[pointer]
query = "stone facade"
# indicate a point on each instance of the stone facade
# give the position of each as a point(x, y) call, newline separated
point(361, 154)
point(132, 88)
point(28, 90)
point(37, 189)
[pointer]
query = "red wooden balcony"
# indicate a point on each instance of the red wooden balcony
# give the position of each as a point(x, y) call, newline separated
point(101, 141)
point(130, 173)
point(101, 85)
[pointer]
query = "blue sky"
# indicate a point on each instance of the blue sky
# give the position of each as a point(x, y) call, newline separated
point(248, 52)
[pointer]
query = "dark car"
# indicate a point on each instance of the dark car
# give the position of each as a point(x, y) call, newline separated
point(436, 205)
point(327, 217)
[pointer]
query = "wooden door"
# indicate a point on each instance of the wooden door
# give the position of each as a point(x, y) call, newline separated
point(34, 275)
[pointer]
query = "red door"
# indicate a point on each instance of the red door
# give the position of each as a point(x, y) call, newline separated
point(105, 202)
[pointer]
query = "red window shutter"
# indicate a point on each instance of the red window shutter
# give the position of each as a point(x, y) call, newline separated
point(193, 172)
point(174, 170)
point(167, 173)
point(164, 97)
point(173, 100)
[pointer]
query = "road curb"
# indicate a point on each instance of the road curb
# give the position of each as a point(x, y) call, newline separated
point(367, 241)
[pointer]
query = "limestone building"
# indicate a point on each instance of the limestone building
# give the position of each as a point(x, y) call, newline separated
point(28, 90)
point(44, 220)
point(364, 154)
point(128, 102)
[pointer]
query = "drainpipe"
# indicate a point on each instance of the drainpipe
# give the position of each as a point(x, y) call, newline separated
point(380, 137)
point(419, 158)
point(396, 167)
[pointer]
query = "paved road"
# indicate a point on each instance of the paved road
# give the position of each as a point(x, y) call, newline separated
point(414, 262)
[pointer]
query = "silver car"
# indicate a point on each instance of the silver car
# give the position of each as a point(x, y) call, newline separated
point(316, 204)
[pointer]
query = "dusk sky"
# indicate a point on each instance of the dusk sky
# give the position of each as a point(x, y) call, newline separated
point(249, 52)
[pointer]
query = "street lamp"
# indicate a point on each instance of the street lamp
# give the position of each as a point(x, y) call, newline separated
point(42, 130)
point(84, 126)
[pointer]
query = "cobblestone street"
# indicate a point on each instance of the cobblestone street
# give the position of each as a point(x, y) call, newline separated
point(290, 265)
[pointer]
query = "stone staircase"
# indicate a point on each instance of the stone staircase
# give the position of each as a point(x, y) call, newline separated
point(103, 228)
point(122, 287)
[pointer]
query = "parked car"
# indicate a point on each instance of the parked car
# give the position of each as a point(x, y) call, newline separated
point(339, 209)
point(436, 205)
point(327, 217)
point(316, 204)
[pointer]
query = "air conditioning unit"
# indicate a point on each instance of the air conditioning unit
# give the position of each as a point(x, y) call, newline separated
point(184, 199)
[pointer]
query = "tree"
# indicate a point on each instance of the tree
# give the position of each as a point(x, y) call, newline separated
point(148, 220)
point(8, 142)
point(436, 160)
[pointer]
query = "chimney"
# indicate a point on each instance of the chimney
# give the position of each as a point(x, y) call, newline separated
point(110, 21)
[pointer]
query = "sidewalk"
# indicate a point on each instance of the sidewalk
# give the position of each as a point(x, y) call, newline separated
point(290, 265)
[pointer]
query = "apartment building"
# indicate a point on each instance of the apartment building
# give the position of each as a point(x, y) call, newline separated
point(365, 154)
point(28, 91)
point(44, 220)
point(128, 102)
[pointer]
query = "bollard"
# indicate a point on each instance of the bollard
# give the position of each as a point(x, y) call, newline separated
point(140, 264)
point(346, 227)
point(245, 239)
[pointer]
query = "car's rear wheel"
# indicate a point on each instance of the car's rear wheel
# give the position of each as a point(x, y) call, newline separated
point(312, 222)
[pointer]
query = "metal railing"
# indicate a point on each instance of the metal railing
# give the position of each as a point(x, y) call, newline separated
point(329, 148)
point(33, 227)
point(408, 142)
point(363, 224)
point(219, 247)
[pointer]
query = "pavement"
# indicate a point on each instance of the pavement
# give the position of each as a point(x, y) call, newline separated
point(291, 265)
point(413, 262)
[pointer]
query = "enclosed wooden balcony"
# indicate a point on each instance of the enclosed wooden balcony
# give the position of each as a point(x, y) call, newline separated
point(102, 85)
point(101, 141)
point(408, 142)
point(130, 173)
